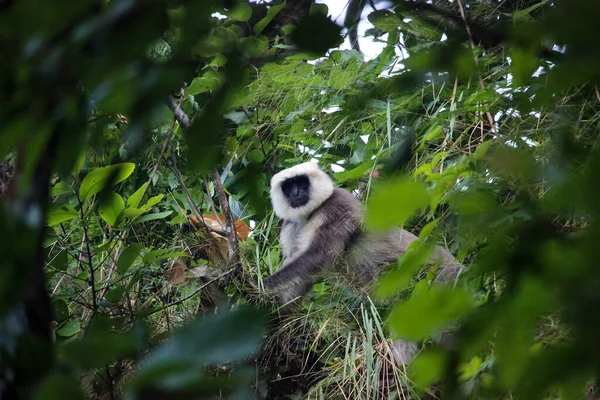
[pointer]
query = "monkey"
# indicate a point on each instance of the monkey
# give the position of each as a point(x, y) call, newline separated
point(322, 233)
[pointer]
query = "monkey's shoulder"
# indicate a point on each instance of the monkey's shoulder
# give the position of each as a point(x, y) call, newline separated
point(340, 206)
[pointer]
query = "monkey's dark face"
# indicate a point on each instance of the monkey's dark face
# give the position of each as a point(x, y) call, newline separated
point(296, 190)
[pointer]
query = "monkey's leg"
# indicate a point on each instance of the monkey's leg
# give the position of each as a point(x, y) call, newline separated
point(403, 351)
point(294, 292)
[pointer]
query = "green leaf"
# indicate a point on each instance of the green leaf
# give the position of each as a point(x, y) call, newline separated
point(225, 337)
point(219, 61)
point(110, 208)
point(271, 13)
point(59, 261)
point(154, 216)
point(60, 188)
point(58, 386)
point(60, 309)
point(395, 202)
point(136, 212)
point(178, 219)
point(416, 256)
point(428, 310)
point(427, 367)
point(98, 178)
point(60, 213)
point(116, 294)
point(384, 20)
point(154, 200)
point(241, 12)
point(255, 45)
point(98, 348)
point(135, 199)
point(128, 256)
point(69, 328)
point(255, 156)
point(202, 84)
point(319, 8)
point(159, 254)
point(288, 29)
point(354, 173)
point(316, 34)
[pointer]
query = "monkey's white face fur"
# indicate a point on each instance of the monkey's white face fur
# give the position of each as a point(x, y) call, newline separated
point(321, 188)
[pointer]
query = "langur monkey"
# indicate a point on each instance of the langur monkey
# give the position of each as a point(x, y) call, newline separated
point(323, 233)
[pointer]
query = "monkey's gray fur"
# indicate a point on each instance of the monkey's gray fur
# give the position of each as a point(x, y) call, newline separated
point(326, 235)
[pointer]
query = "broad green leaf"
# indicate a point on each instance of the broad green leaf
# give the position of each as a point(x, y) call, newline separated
point(524, 310)
point(61, 188)
point(254, 45)
point(60, 309)
point(59, 260)
point(98, 178)
point(98, 348)
point(115, 294)
point(58, 386)
point(428, 310)
point(60, 213)
point(425, 169)
point(159, 254)
point(219, 61)
point(524, 62)
point(111, 207)
point(69, 328)
point(128, 256)
point(319, 8)
point(471, 369)
point(202, 84)
point(316, 34)
point(255, 156)
point(83, 275)
point(427, 367)
point(384, 20)
point(153, 216)
point(241, 12)
point(154, 200)
point(225, 337)
point(513, 163)
point(135, 199)
point(435, 132)
point(178, 219)
point(245, 130)
point(395, 202)
point(482, 149)
point(271, 13)
point(427, 230)
point(416, 256)
point(288, 29)
point(354, 173)
point(136, 212)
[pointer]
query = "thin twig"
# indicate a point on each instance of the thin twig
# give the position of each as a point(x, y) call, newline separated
point(179, 114)
point(230, 226)
point(476, 59)
point(212, 205)
point(165, 144)
point(190, 200)
point(195, 292)
point(234, 258)
point(89, 251)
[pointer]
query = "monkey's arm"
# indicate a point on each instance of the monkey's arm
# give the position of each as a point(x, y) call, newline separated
point(336, 223)
point(326, 246)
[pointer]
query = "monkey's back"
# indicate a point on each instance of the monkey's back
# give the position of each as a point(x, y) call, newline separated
point(373, 251)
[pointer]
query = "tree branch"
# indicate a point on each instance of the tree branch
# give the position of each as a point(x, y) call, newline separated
point(179, 114)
